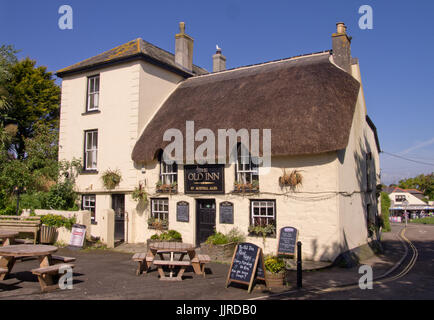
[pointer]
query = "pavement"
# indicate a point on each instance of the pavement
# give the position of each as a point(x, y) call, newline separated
point(110, 274)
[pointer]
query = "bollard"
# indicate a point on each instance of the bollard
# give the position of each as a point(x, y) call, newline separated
point(299, 266)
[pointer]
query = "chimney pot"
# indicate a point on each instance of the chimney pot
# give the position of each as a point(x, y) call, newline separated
point(341, 44)
point(184, 48)
point(218, 61)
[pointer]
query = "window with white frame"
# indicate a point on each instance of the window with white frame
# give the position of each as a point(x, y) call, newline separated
point(263, 212)
point(168, 172)
point(246, 170)
point(160, 209)
point(90, 149)
point(88, 202)
point(92, 93)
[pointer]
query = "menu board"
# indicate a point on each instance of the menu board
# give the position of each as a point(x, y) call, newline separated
point(78, 233)
point(244, 266)
point(227, 212)
point(287, 241)
point(182, 211)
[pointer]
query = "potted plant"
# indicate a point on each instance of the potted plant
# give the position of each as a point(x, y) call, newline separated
point(156, 223)
point(221, 246)
point(170, 235)
point(263, 230)
point(50, 223)
point(111, 178)
point(292, 179)
point(139, 194)
point(246, 187)
point(166, 188)
point(274, 271)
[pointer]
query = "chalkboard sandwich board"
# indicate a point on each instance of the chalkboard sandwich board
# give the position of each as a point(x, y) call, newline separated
point(287, 241)
point(182, 212)
point(247, 265)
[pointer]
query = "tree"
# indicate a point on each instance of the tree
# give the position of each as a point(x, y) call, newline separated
point(423, 183)
point(34, 98)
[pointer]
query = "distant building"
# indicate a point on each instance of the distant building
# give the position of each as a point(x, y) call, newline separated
point(409, 200)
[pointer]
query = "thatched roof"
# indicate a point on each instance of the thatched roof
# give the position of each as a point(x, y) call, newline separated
point(135, 49)
point(307, 102)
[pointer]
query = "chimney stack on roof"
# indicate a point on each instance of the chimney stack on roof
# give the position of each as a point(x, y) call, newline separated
point(218, 61)
point(341, 44)
point(184, 48)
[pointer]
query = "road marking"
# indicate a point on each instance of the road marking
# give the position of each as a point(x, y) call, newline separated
point(407, 243)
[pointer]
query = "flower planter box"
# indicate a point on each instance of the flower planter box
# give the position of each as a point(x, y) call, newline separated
point(167, 189)
point(275, 280)
point(218, 252)
point(149, 241)
point(47, 234)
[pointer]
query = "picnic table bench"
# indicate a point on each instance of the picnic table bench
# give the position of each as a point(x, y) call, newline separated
point(47, 272)
point(146, 260)
point(21, 224)
point(47, 276)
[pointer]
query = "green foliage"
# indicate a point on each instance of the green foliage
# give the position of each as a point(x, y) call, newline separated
point(111, 178)
point(33, 97)
point(422, 182)
point(274, 264)
point(58, 221)
point(385, 205)
point(234, 235)
point(170, 235)
point(139, 194)
point(426, 220)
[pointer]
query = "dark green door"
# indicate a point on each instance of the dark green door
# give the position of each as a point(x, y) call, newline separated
point(205, 218)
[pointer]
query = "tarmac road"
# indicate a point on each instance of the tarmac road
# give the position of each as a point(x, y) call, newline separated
point(413, 279)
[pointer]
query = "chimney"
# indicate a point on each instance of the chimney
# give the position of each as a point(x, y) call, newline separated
point(341, 43)
point(218, 61)
point(184, 48)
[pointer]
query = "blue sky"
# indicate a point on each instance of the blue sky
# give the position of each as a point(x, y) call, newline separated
point(396, 56)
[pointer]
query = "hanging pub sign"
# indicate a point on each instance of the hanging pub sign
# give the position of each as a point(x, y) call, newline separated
point(287, 241)
point(247, 265)
point(182, 212)
point(204, 179)
point(227, 212)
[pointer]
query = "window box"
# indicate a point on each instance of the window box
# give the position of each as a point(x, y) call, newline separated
point(267, 231)
point(246, 187)
point(166, 188)
point(157, 224)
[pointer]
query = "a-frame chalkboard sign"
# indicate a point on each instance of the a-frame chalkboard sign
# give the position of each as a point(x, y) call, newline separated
point(287, 241)
point(247, 265)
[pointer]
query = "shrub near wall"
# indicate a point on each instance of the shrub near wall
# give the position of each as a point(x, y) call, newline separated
point(220, 247)
point(385, 205)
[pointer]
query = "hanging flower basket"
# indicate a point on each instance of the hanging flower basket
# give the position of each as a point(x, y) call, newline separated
point(292, 179)
point(111, 178)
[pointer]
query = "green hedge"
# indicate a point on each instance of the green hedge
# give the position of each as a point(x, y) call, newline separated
point(385, 205)
point(57, 221)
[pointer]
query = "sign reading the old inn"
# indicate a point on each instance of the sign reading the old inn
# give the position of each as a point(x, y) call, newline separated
point(204, 178)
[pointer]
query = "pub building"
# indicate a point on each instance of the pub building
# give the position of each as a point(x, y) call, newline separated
point(117, 107)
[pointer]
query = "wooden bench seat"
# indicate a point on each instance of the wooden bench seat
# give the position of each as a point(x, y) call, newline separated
point(3, 271)
point(45, 276)
point(202, 259)
point(171, 264)
point(63, 259)
point(23, 241)
point(144, 262)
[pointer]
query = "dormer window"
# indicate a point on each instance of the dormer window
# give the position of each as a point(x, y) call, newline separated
point(246, 171)
point(168, 181)
point(92, 93)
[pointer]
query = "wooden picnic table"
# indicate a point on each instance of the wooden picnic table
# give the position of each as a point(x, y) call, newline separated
point(172, 248)
point(8, 255)
point(8, 237)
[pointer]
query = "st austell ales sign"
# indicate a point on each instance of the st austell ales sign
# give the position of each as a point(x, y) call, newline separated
point(204, 179)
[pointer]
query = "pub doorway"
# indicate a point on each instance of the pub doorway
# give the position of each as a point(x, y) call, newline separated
point(205, 219)
point(118, 206)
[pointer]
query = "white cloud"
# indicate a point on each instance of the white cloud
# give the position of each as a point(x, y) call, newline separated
point(418, 146)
